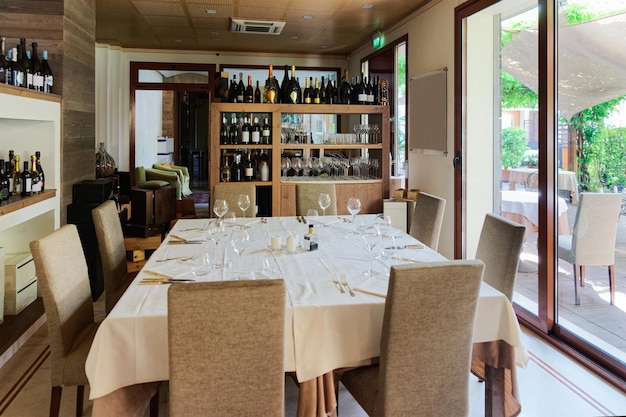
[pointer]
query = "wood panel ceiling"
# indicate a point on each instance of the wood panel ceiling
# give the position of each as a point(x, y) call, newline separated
point(312, 26)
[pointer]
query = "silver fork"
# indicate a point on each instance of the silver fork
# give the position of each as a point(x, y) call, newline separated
point(344, 282)
point(338, 284)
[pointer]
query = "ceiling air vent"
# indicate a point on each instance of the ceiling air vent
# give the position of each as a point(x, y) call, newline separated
point(262, 27)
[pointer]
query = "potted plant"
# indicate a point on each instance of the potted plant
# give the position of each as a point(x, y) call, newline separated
point(514, 145)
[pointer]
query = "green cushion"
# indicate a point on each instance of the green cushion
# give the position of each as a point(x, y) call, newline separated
point(154, 184)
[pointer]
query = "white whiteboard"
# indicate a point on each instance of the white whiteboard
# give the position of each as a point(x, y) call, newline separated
point(428, 112)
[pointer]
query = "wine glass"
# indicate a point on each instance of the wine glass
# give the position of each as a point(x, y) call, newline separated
point(285, 165)
point(312, 217)
point(353, 206)
point(230, 219)
point(324, 201)
point(296, 164)
point(239, 240)
point(243, 202)
point(383, 221)
point(371, 237)
point(220, 207)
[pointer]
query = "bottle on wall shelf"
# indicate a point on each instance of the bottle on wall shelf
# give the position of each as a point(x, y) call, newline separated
point(27, 181)
point(264, 168)
point(255, 132)
point(17, 70)
point(7, 181)
point(257, 93)
point(248, 171)
point(4, 183)
point(384, 93)
point(266, 132)
point(236, 170)
point(35, 185)
point(225, 171)
point(245, 131)
point(48, 77)
point(42, 176)
point(323, 91)
point(16, 183)
point(35, 63)
point(284, 86)
point(232, 90)
point(317, 97)
point(270, 93)
point(241, 89)
point(292, 95)
point(224, 136)
point(233, 131)
point(345, 91)
point(249, 94)
point(308, 92)
point(25, 62)
point(4, 65)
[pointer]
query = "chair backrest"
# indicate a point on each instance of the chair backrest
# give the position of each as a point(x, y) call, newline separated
point(427, 219)
point(426, 341)
point(308, 194)
point(595, 228)
point(231, 193)
point(64, 283)
point(532, 181)
point(110, 237)
point(226, 345)
point(499, 248)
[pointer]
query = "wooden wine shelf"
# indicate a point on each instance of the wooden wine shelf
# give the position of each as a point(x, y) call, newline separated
point(17, 203)
point(24, 92)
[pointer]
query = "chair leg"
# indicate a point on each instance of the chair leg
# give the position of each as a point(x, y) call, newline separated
point(576, 296)
point(80, 395)
point(55, 401)
point(154, 405)
point(582, 275)
point(612, 282)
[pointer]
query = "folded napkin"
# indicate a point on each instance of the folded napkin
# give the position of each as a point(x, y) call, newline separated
point(169, 269)
point(373, 286)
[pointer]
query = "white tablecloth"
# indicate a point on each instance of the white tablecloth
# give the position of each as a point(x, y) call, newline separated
point(566, 180)
point(324, 329)
point(526, 203)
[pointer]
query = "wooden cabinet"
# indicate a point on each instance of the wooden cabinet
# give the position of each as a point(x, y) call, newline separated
point(329, 132)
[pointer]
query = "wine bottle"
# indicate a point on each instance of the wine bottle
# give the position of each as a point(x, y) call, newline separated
point(293, 95)
point(16, 184)
point(4, 183)
point(362, 92)
point(48, 77)
point(384, 93)
point(236, 170)
point(266, 132)
point(233, 131)
point(376, 90)
point(308, 91)
point(248, 172)
point(300, 98)
point(25, 62)
point(345, 92)
point(232, 90)
point(249, 95)
point(255, 133)
point(241, 89)
point(225, 171)
point(270, 94)
point(27, 181)
point(17, 70)
point(283, 95)
point(264, 167)
point(35, 186)
point(42, 176)
point(323, 91)
point(11, 160)
point(7, 181)
point(245, 131)
point(331, 92)
point(317, 98)
point(370, 91)
point(37, 69)
point(257, 93)
point(224, 136)
point(4, 67)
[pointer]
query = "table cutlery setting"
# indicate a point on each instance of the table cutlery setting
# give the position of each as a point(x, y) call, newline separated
point(163, 280)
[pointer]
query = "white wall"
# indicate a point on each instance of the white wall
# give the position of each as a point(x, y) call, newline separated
point(113, 85)
point(430, 46)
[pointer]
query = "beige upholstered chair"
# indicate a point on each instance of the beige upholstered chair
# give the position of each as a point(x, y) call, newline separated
point(231, 193)
point(426, 343)
point(232, 363)
point(182, 173)
point(64, 282)
point(308, 194)
point(427, 219)
point(592, 241)
point(110, 236)
point(499, 248)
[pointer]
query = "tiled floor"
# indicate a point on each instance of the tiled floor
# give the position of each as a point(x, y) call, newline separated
point(551, 385)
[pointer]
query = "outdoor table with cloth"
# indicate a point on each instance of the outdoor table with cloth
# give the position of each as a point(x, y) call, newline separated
point(566, 180)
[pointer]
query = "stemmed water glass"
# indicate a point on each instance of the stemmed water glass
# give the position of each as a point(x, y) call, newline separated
point(243, 202)
point(220, 208)
point(239, 240)
point(312, 217)
point(324, 201)
point(354, 207)
point(383, 221)
point(371, 237)
point(296, 164)
point(285, 165)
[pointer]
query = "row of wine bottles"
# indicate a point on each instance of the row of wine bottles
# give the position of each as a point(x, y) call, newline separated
point(255, 167)
point(22, 68)
point(234, 133)
point(351, 91)
point(17, 182)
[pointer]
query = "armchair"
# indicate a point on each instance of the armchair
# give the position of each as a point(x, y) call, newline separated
point(183, 176)
point(153, 179)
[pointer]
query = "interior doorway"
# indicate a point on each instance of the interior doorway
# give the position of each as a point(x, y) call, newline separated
point(193, 131)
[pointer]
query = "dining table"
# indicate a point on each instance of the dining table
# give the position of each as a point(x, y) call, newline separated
point(566, 180)
point(523, 207)
point(333, 311)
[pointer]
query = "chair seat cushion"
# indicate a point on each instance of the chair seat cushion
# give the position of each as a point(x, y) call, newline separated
point(362, 383)
point(154, 184)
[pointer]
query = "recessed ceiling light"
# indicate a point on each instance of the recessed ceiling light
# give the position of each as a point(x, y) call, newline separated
point(293, 37)
point(307, 17)
point(367, 6)
point(211, 11)
point(178, 40)
point(323, 46)
point(214, 33)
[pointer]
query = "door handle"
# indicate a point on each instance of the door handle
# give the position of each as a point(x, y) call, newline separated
point(456, 161)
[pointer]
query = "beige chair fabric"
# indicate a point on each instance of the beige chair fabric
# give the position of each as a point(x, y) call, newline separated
point(427, 219)
point(499, 248)
point(308, 194)
point(110, 237)
point(592, 241)
point(226, 348)
point(64, 283)
point(231, 193)
point(426, 343)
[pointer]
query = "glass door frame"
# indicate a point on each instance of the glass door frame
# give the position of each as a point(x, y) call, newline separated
point(545, 323)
